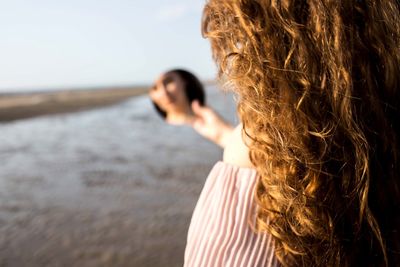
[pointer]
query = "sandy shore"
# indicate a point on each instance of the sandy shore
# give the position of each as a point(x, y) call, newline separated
point(136, 224)
point(27, 105)
point(106, 187)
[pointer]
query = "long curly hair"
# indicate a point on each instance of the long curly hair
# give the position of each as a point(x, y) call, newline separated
point(318, 94)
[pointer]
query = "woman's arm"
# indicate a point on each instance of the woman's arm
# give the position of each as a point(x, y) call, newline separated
point(236, 152)
point(210, 125)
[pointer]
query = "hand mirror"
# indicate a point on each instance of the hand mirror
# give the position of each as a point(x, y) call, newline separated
point(172, 95)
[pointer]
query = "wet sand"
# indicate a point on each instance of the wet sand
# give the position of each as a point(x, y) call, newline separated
point(27, 105)
point(113, 186)
point(122, 222)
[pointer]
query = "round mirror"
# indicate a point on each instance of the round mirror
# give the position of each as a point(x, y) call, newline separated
point(172, 95)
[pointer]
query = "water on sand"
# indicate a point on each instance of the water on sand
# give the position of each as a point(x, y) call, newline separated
point(107, 187)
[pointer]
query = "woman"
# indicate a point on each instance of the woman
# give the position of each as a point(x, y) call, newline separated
point(173, 93)
point(318, 88)
point(179, 98)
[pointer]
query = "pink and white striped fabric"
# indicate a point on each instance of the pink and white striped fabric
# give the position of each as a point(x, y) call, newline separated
point(220, 233)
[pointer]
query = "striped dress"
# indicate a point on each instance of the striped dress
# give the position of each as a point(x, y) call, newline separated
point(220, 233)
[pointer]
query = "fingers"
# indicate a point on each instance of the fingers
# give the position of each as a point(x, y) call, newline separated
point(198, 120)
point(198, 109)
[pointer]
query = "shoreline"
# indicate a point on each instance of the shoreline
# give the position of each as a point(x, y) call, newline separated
point(16, 106)
point(112, 187)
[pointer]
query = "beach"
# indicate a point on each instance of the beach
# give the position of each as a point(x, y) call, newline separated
point(14, 106)
point(109, 184)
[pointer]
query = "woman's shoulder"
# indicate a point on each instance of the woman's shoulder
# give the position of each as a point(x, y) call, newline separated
point(236, 152)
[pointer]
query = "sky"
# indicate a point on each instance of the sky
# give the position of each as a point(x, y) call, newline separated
point(51, 44)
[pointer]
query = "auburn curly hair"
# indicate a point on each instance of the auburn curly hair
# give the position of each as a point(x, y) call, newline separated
point(318, 94)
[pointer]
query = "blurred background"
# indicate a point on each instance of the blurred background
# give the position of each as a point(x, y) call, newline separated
point(90, 175)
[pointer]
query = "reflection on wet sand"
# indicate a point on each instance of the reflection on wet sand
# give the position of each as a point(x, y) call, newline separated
point(107, 187)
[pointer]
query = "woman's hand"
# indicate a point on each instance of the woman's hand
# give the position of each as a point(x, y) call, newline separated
point(210, 125)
